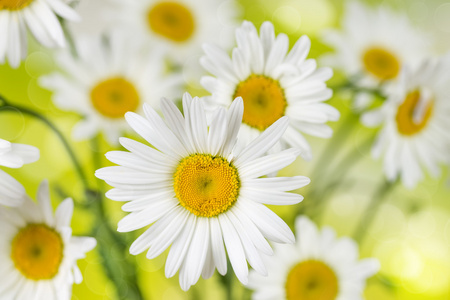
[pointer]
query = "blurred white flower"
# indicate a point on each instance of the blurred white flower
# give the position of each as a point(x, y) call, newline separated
point(109, 78)
point(273, 83)
point(39, 16)
point(318, 266)
point(372, 47)
point(415, 120)
point(200, 196)
point(180, 25)
point(38, 253)
point(12, 193)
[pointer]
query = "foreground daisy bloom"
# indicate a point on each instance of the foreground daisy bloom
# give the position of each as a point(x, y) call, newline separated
point(12, 193)
point(318, 267)
point(415, 123)
point(200, 196)
point(106, 81)
point(38, 253)
point(373, 45)
point(40, 17)
point(273, 83)
point(180, 25)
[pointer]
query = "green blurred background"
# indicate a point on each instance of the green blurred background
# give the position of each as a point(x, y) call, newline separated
point(410, 234)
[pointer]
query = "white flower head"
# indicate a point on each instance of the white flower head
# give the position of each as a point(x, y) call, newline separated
point(414, 119)
point(37, 16)
point(273, 82)
point(318, 266)
point(108, 79)
point(200, 195)
point(373, 45)
point(38, 252)
point(12, 155)
point(179, 25)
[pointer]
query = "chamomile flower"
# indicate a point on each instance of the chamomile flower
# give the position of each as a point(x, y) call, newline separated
point(12, 193)
point(200, 196)
point(180, 25)
point(107, 80)
point(38, 253)
point(415, 123)
point(318, 266)
point(40, 17)
point(273, 82)
point(373, 46)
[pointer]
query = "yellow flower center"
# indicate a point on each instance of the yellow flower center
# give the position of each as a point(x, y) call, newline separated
point(206, 185)
point(406, 124)
point(264, 101)
point(171, 20)
point(37, 252)
point(311, 280)
point(114, 97)
point(381, 63)
point(14, 4)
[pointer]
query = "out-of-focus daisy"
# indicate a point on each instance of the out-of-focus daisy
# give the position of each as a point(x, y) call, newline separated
point(38, 253)
point(415, 123)
point(40, 17)
point(181, 25)
point(373, 46)
point(108, 79)
point(199, 195)
point(318, 266)
point(12, 193)
point(273, 83)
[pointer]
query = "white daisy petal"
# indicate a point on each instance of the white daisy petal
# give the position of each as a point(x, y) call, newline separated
point(270, 225)
point(180, 247)
point(198, 250)
point(263, 142)
point(234, 249)
point(269, 163)
point(217, 247)
point(279, 183)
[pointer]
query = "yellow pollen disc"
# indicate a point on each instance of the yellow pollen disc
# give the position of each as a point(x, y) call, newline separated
point(405, 113)
point(381, 63)
point(206, 185)
point(114, 97)
point(14, 4)
point(37, 252)
point(171, 20)
point(264, 101)
point(311, 280)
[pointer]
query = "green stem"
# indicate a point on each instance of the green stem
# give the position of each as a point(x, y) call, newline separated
point(338, 138)
point(113, 243)
point(323, 194)
point(351, 85)
point(6, 106)
point(372, 209)
point(227, 282)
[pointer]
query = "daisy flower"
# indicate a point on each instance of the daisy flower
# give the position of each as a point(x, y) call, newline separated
point(38, 253)
point(273, 82)
point(40, 17)
point(12, 193)
point(373, 46)
point(318, 266)
point(107, 80)
point(414, 123)
point(200, 196)
point(180, 25)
